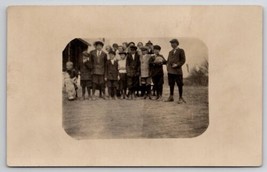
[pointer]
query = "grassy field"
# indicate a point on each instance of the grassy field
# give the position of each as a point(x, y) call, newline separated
point(109, 119)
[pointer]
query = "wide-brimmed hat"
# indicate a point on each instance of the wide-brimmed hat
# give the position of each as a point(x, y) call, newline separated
point(98, 43)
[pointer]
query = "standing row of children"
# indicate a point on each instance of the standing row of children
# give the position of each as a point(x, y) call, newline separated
point(125, 70)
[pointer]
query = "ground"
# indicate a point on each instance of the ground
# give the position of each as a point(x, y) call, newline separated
point(110, 119)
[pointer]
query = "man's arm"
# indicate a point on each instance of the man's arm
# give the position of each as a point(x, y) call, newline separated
point(181, 59)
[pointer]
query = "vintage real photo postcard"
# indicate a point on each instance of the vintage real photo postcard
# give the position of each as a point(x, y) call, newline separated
point(134, 86)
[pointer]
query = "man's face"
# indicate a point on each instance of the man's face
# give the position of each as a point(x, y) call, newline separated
point(174, 45)
point(99, 47)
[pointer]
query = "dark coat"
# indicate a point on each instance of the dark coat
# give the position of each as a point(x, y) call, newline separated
point(112, 70)
point(99, 63)
point(156, 68)
point(176, 58)
point(86, 70)
point(133, 65)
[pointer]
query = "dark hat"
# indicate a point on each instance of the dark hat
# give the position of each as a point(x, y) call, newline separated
point(115, 45)
point(174, 41)
point(98, 42)
point(133, 47)
point(144, 48)
point(149, 43)
point(122, 53)
point(157, 47)
point(130, 43)
point(112, 52)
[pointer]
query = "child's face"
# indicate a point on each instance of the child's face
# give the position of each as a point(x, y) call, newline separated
point(69, 66)
point(111, 56)
point(120, 49)
point(144, 52)
point(122, 56)
point(156, 51)
point(99, 47)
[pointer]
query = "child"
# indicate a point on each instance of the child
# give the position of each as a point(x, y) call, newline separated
point(99, 60)
point(145, 73)
point(133, 71)
point(86, 75)
point(112, 74)
point(122, 74)
point(156, 64)
point(71, 81)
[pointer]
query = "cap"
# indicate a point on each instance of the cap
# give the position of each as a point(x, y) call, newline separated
point(122, 53)
point(133, 47)
point(174, 41)
point(157, 47)
point(112, 52)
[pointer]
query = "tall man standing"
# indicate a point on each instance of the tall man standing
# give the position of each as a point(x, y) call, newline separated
point(176, 60)
point(99, 60)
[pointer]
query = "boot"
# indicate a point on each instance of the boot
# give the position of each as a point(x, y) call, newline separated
point(170, 99)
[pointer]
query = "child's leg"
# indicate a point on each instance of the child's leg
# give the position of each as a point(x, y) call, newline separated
point(83, 91)
point(89, 91)
point(109, 92)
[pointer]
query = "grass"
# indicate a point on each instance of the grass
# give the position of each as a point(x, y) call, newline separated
point(115, 119)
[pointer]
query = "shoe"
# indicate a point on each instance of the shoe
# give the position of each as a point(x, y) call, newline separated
point(145, 96)
point(181, 100)
point(170, 99)
point(93, 98)
point(160, 98)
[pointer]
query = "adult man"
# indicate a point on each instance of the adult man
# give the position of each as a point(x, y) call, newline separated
point(99, 59)
point(176, 60)
point(133, 71)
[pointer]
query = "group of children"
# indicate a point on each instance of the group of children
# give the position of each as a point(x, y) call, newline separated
point(126, 71)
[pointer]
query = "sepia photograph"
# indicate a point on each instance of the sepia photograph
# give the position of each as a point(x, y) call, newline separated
point(134, 85)
point(135, 88)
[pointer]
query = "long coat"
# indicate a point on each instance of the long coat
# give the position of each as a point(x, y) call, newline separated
point(112, 70)
point(99, 63)
point(156, 68)
point(86, 70)
point(177, 57)
point(133, 65)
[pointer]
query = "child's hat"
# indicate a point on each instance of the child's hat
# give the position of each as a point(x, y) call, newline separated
point(174, 41)
point(157, 47)
point(149, 43)
point(112, 52)
point(122, 53)
point(133, 47)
